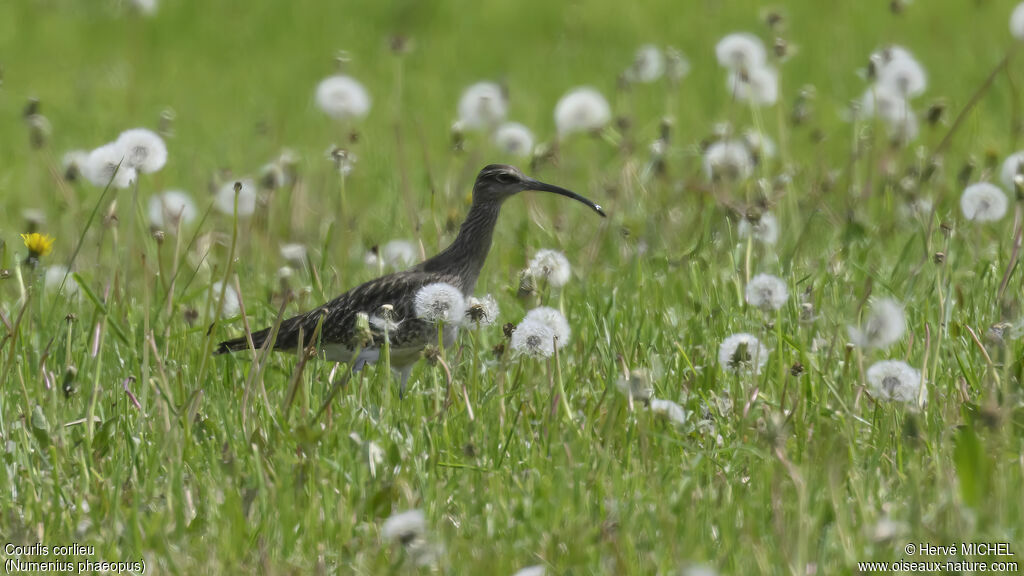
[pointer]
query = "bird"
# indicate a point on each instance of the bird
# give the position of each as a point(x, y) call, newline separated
point(333, 326)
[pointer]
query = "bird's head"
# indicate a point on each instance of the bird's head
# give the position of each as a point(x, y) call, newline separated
point(496, 182)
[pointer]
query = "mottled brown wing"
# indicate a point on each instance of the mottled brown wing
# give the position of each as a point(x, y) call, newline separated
point(339, 315)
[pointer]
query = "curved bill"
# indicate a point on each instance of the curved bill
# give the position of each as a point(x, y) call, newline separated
point(539, 186)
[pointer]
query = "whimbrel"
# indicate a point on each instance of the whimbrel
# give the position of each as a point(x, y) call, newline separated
point(458, 265)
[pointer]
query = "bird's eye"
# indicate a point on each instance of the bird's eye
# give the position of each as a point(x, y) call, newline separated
point(504, 178)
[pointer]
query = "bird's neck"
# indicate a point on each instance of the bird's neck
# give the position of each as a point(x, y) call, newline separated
point(466, 255)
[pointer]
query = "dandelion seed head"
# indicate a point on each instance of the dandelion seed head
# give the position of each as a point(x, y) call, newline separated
point(344, 160)
point(440, 302)
point(514, 139)
point(759, 143)
point(53, 278)
point(637, 385)
point(102, 167)
point(553, 319)
point(1012, 167)
point(170, 207)
point(225, 198)
point(146, 7)
point(983, 202)
point(903, 75)
point(552, 266)
point(895, 380)
point(396, 254)
point(699, 570)
point(741, 51)
point(581, 109)
point(728, 161)
point(231, 306)
point(677, 66)
point(758, 86)
point(144, 150)
point(342, 98)
point(885, 325)
point(482, 106)
point(1017, 22)
point(405, 527)
point(648, 65)
point(385, 319)
point(742, 352)
point(670, 410)
point(481, 311)
point(72, 163)
point(764, 230)
point(294, 253)
point(767, 292)
point(534, 339)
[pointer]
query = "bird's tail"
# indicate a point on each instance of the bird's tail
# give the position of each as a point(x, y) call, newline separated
point(242, 343)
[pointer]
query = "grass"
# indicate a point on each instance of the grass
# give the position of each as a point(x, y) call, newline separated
point(120, 431)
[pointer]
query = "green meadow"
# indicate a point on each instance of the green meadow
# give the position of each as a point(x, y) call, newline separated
point(121, 431)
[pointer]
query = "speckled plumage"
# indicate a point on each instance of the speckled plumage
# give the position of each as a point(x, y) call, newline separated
point(458, 265)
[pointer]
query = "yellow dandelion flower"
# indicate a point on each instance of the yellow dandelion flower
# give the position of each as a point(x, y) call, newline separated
point(38, 244)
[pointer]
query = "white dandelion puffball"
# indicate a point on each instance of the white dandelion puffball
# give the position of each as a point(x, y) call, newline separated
point(677, 65)
point(482, 106)
point(1011, 168)
point(515, 139)
point(171, 207)
point(648, 65)
point(1017, 22)
point(55, 275)
point(765, 230)
point(767, 292)
point(404, 527)
point(108, 165)
point(637, 385)
point(892, 109)
point(897, 381)
point(231, 306)
point(552, 266)
point(396, 254)
point(294, 253)
point(537, 570)
point(669, 409)
point(143, 149)
point(581, 110)
point(342, 98)
point(983, 202)
point(146, 7)
point(728, 160)
point(554, 320)
point(885, 103)
point(225, 199)
point(759, 143)
point(534, 339)
point(758, 86)
point(884, 327)
point(903, 75)
point(481, 311)
point(699, 570)
point(440, 302)
point(73, 163)
point(741, 51)
point(742, 352)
